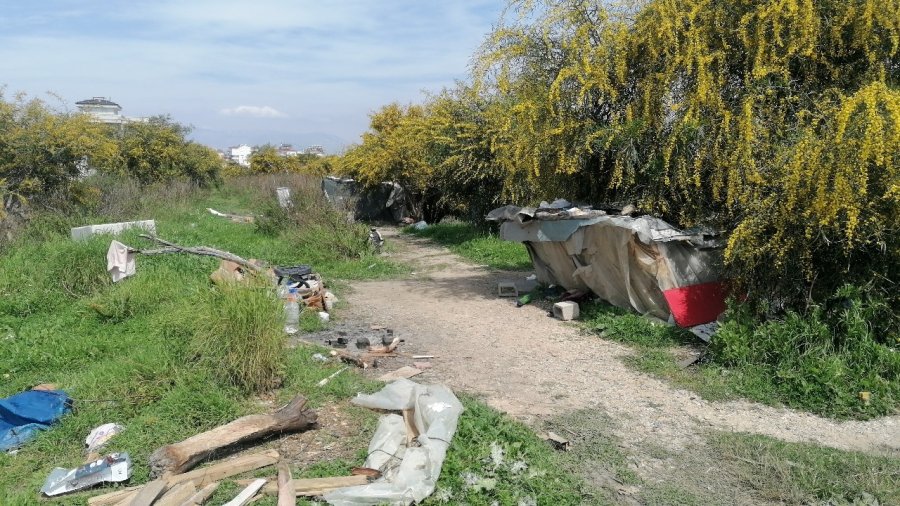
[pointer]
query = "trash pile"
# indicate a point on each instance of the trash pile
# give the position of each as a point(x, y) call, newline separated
point(633, 262)
point(404, 458)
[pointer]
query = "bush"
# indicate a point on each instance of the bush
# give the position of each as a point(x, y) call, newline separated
point(821, 360)
point(239, 335)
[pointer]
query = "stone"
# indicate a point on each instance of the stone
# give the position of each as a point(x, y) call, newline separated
point(566, 311)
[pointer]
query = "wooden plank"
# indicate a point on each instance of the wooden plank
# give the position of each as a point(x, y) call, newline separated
point(217, 472)
point(114, 497)
point(314, 486)
point(286, 495)
point(245, 495)
point(177, 494)
point(202, 495)
point(403, 372)
point(148, 493)
point(179, 457)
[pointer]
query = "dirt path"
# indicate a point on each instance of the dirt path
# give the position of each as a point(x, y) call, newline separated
point(531, 366)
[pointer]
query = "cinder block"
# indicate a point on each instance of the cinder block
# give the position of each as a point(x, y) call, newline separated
point(86, 232)
point(566, 311)
point(507, 289)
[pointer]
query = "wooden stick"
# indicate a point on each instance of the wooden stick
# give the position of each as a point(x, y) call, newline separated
point(179, 457)
point(286, 496)
point(198, 250)
point(314, 486)
point(201, 496)
point(177, 494)
point(245, 495)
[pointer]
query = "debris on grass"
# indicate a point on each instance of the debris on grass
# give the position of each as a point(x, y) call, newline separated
point(115, 467)
point(26, 413)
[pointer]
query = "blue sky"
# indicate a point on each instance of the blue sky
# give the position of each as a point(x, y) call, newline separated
point(243, 71)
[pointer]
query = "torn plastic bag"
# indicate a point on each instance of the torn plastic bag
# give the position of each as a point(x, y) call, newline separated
point(25, 414)
point(410, 474)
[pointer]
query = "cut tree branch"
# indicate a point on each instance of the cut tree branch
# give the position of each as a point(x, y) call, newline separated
point(197, 250)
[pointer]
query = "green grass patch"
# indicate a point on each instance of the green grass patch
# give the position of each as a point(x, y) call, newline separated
point(796, 473)
point(495, 460)
point(479, 247)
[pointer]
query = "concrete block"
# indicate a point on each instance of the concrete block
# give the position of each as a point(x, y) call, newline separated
point(507, 289)
point(86, 232)
point(566, 311)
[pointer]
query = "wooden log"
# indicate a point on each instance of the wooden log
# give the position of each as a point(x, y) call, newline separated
point(202, 495)
point(286, 496)
point(148, 494)
point(179, 457)
point(177, 495)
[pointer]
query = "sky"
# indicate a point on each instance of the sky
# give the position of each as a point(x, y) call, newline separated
point(253, 71)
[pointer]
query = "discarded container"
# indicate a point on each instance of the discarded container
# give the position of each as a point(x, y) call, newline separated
point(114, 467)
point(524, 300)
point(421, 225)
point(291, 312)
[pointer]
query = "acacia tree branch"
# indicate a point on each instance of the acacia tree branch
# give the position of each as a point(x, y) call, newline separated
point(197, 250)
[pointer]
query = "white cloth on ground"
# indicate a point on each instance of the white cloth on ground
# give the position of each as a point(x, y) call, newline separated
point(119, 261)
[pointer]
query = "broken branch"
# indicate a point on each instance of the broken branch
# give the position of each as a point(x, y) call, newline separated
point(197, 250)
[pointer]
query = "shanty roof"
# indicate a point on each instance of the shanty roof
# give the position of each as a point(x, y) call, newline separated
point(97, 101)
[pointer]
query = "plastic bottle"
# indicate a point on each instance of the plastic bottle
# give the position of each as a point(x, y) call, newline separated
point(291, 312)
point(523, 300)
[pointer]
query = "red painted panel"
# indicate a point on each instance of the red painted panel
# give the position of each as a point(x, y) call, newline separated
point(697, 304)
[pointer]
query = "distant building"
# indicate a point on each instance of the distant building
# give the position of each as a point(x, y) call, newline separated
point(241, 154)
point(315, 150)
point(287, 150)
point(104, 110)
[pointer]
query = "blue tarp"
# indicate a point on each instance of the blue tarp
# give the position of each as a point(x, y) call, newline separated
point(24, 414)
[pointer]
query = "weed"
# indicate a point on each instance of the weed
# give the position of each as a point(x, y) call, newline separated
point(797, 473)
point(240, 335)
point(481, 247)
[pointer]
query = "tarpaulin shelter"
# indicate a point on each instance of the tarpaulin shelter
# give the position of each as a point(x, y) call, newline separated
point(639, 263)
point(385, 202)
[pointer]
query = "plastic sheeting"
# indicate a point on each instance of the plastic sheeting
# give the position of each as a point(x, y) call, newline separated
point(385, 202)
point(409, 473)
point(643, 263)
point(24, 414)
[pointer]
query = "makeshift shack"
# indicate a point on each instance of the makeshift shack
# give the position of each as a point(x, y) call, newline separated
point(639, 263)
point(385, 202)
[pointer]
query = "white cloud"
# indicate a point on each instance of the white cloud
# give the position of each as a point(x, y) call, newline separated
point(254, 111)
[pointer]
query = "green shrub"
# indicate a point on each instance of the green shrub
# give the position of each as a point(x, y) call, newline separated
point(239, 335)
point(821, 360)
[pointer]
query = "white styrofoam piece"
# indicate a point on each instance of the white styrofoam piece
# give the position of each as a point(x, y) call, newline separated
point(88, 231)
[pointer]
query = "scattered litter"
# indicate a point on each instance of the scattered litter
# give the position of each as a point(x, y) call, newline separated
point(318, 357)
point(101, 435)
point(233, 217)
point(86, 232)
point(324, 317)
point(566, 311)
point(291, 312)
point(376, 239)
point(422, 357)
point(242, 498)
point(119, 261)
point(115, 467)
point(420, 225)
point(524, 300)
point(409, 471)
point(325, 381)
point(330, 300)
point(558, 442)
point(24, 414)
point(705, 331)
point(403, 372)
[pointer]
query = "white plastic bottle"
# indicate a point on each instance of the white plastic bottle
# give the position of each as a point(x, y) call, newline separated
point(291, 312)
